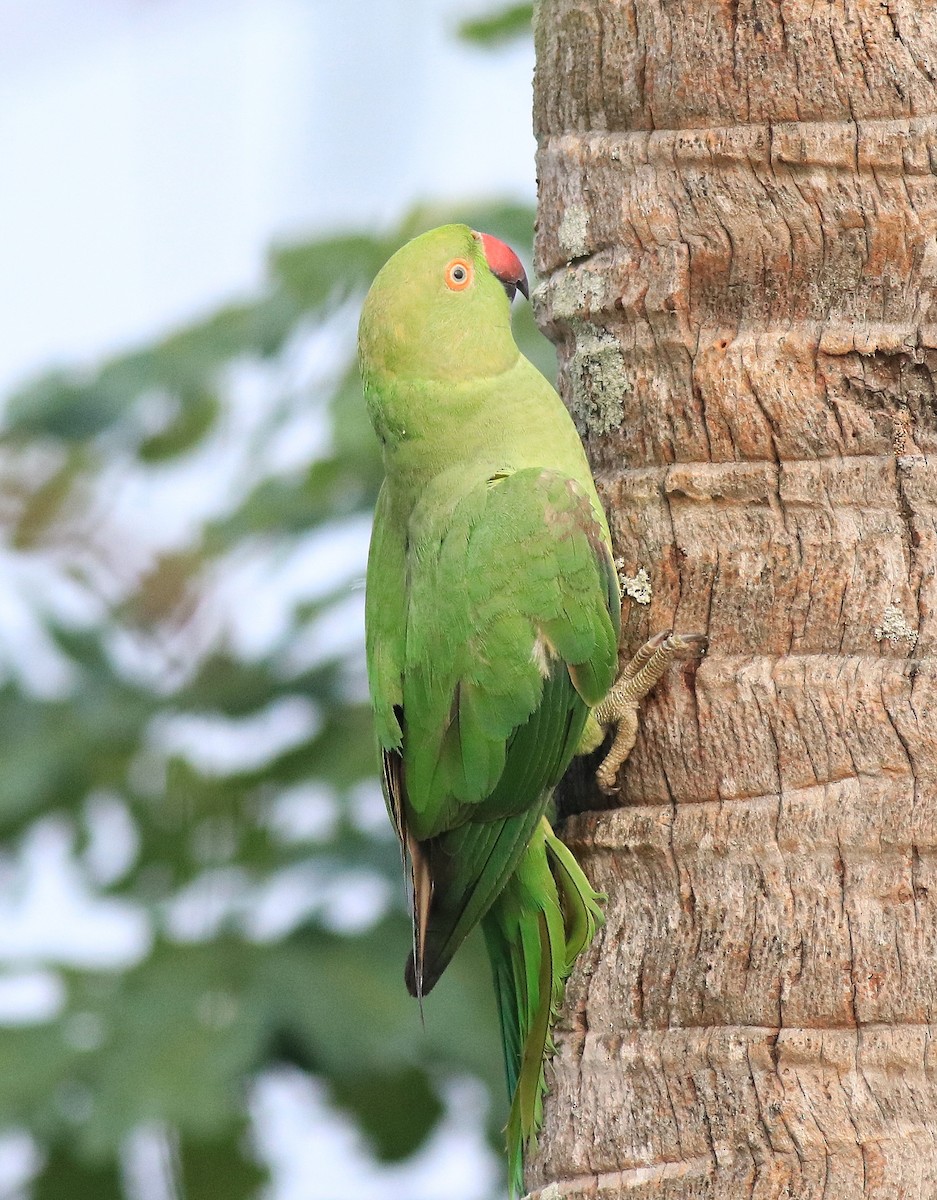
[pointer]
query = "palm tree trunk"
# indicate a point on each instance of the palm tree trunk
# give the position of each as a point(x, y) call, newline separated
point(738, 237)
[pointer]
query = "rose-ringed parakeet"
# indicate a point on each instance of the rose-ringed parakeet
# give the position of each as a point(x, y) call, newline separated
point(492, 619)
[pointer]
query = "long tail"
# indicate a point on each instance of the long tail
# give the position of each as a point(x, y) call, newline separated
point(546, 915)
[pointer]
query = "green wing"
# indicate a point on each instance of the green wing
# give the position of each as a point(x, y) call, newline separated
point(510, 585)
point(510, 636)
point(386, 616)
point(470, 865)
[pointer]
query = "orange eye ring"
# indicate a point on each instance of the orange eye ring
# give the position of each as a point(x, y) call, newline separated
point(458, 275)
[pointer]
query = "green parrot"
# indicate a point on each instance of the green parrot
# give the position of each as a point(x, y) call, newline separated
point(492, 621)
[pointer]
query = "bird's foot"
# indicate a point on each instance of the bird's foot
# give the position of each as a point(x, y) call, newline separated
point(620, 706)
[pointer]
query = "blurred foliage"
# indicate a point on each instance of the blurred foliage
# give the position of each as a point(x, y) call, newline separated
point(121, 546)
point(502, 25)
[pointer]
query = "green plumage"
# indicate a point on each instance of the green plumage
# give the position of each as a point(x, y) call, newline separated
point(492, 623)
point(544, 918)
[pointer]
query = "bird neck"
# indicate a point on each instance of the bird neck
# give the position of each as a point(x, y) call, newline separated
point(454, 436)
point(428, 426)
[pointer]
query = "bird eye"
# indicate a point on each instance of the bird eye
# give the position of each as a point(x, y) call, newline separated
point(458, 275)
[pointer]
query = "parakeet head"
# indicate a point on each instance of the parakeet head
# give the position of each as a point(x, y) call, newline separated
point(440, 308)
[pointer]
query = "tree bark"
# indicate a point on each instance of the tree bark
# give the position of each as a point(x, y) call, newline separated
point(737, 229)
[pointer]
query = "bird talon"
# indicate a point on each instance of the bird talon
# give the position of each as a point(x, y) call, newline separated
point(639, 677)
point(697, 642)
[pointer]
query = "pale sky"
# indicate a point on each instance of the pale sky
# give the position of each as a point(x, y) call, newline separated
point(152, 149)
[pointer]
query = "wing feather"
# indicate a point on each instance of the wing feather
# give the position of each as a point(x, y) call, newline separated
point(505, 629)
point(508, 577)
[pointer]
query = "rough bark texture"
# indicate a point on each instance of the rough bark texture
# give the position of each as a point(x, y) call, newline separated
point(737, 229)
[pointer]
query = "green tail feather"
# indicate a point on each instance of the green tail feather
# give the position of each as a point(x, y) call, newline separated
point(546, 915)
point(582, 907)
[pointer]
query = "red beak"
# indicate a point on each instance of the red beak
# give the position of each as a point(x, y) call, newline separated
point(504, 265)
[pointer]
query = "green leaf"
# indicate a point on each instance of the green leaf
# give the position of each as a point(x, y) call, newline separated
point(396, 1110)
point(195, 417)
point(66, 406)
point(220, 1169)
point(503, 25)
point(66, 1176)
point(328, 271)
point(180, 1040)
point(35, 1079)
point(44, 508)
